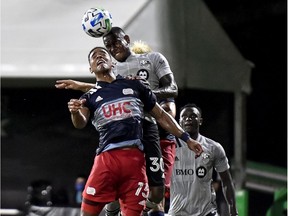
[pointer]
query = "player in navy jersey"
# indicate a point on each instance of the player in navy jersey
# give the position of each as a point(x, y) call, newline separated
point(191, 191)
point(154, 67)
point(115, 108)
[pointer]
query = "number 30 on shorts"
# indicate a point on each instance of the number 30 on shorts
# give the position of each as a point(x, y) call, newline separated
point(157, 164)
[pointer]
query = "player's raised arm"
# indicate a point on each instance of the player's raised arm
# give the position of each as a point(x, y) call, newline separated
point(169, 124)
point(74, 85)
point(168, 87)
point(79, 113)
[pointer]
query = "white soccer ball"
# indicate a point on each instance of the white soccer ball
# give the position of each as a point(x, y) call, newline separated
point(97, 22)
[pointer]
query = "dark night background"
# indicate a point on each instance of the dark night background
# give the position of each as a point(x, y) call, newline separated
point(39, 132)
point(259, 30)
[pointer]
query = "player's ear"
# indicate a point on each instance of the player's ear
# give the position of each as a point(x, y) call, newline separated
point(200, 121)
point(127, 39)
point(90, 70)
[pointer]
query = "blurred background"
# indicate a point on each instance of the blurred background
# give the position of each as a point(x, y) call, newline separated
point(228, 57)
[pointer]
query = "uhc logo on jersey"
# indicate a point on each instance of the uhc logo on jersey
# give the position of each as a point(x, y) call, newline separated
point(116, 109)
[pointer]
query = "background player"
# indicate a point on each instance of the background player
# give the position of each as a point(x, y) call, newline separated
point(191, 192)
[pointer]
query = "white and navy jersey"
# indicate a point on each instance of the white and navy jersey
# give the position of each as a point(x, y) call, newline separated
point(191, 192)
point(116, 111)
point(150, 66)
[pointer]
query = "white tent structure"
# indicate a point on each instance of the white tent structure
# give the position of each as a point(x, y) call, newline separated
point(43, 40)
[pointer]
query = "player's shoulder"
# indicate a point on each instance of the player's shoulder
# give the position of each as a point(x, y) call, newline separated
point(135, 82)
point(209, 142)
point(149, 55)
point(155, 54)
point(96, 88)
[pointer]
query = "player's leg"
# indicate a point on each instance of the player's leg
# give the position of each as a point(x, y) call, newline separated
point(133, 189)
point(154, 165)
point(168, 155)
point(113, 209)
point(91, 209)
point(168, 148)
point(103, 176)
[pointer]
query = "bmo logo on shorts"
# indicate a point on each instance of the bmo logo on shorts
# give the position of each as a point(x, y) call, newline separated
point(116, 109)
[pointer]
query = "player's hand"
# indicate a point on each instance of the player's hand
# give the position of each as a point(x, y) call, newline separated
point(136, 77)
point(132, 77)
point(195, 146)
point(75, 105)
point(69, 84)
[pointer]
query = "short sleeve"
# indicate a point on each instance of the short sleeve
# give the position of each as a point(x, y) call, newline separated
point(221, 161)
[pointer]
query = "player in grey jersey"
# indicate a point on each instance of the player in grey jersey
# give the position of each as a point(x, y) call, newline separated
point(191, 193)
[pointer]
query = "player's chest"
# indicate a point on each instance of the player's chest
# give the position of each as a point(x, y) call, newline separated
point(187, 167)
point(112, 93)
point(135, 67)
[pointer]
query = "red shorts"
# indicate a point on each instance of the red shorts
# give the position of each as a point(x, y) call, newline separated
point(117, 174)
point(168, 155)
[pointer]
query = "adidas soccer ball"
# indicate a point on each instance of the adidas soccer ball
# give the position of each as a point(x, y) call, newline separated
point(97, 22)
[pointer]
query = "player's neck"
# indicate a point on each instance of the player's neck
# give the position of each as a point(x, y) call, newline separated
point(194, 135)
point(106, 77)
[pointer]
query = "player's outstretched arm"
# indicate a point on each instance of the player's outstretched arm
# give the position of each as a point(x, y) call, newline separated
point(74, 85)
point(169, 124)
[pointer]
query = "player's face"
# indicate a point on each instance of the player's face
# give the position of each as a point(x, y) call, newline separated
point(190, 119)
point(118, 46)
point(100, 60)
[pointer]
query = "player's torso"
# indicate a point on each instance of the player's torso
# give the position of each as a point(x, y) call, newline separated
point(116, 111)
point(114, 102)
point(143, 65)
point(191, 181)
point(189, 169)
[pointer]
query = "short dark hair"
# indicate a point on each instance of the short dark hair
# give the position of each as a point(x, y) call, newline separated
point(98, 47)
point(191, 105)
point(116, 31)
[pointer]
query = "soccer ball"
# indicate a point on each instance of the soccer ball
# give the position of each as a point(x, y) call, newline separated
point(97, 22)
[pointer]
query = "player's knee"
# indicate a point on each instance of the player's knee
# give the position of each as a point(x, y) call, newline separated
point(112, 213)
point(118, 213)
point(112, 209)
point(84, 213)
